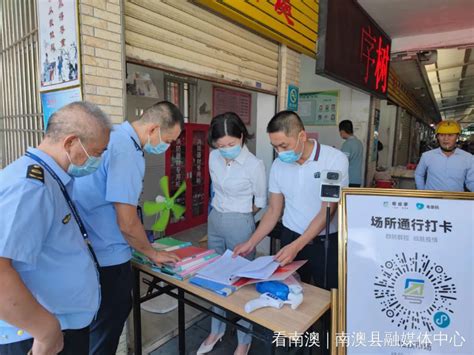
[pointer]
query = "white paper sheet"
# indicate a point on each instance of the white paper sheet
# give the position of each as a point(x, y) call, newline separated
point(260, 268)
point(227, 269)
point(223, 268)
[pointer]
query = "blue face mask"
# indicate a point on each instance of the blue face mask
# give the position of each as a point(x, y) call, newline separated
point(290, 156)
point(230, 153)
point(89, 167)
point(160, 148)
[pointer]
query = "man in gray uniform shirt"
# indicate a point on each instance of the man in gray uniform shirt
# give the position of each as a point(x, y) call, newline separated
point(352, 147)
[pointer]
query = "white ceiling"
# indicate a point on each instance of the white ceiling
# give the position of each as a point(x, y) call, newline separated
point(401, 18)
point(452, 82)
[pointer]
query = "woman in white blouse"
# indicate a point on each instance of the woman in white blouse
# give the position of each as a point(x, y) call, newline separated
point(240, 186)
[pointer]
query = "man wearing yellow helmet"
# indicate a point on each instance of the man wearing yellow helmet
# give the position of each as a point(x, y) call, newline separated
point(446, 168)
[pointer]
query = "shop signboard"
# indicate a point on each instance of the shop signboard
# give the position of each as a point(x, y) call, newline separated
point(58, 44)
point(406, 271)
point(352, 48)
point(399, 93)
point(294, 23)
point(319, 108)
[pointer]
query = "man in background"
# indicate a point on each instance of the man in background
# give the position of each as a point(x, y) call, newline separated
point(353, 149)
point(446, 168)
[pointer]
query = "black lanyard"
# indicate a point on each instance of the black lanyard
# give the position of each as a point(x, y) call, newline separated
point(137, 146)
point(72, 207)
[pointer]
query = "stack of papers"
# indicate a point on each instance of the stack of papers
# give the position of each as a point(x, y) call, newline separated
point(280, 274)
point(169, 244)
point(227, 270)
point(163, 244)
point(228, 274)
point(192, 258)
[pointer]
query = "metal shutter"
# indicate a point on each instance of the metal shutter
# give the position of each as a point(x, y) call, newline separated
point(177, 35)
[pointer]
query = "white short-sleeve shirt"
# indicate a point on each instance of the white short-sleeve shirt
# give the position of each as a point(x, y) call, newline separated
point(236, 183)
point(300, 186)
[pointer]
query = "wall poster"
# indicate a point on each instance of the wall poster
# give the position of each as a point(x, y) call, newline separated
point(228, 100)
point(54, 100)
point(319, 108)
point(58, 38)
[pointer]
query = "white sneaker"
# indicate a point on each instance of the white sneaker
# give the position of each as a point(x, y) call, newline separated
point(205, 348)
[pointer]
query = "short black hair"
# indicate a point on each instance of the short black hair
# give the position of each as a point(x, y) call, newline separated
point(164, 113)
point(227, 124)
point(285, 121)
point(346, 126)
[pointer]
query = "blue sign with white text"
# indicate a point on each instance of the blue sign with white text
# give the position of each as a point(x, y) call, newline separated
point(293, 93)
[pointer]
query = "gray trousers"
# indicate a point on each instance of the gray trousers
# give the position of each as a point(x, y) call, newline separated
point(226, 231)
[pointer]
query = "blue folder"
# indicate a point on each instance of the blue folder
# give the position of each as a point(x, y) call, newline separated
point(216, 287)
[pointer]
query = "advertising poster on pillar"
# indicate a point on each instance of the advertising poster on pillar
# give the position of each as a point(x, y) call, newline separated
point(58, 39)
point(409, 275)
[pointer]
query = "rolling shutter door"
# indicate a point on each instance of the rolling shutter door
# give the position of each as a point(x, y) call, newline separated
point(177, 35)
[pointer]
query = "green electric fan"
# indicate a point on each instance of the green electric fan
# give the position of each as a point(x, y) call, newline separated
point(164, 205)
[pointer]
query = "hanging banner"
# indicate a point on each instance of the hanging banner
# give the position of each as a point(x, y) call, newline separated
point(407, 272)
point(58, 44)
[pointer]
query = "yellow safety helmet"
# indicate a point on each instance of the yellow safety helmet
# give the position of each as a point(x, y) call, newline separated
point(448, 127)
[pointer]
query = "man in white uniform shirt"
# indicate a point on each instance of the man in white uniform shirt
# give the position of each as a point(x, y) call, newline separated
point(294, 186)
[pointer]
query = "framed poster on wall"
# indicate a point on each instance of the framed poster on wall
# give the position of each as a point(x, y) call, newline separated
point(319, 108)
point(54, 100)
point(58, 38)
point(405, 281)
point(225, 100)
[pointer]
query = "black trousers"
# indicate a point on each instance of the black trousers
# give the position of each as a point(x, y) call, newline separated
point(314, 253)
point(76, 342)
point(313, 270)
point(115, 306)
